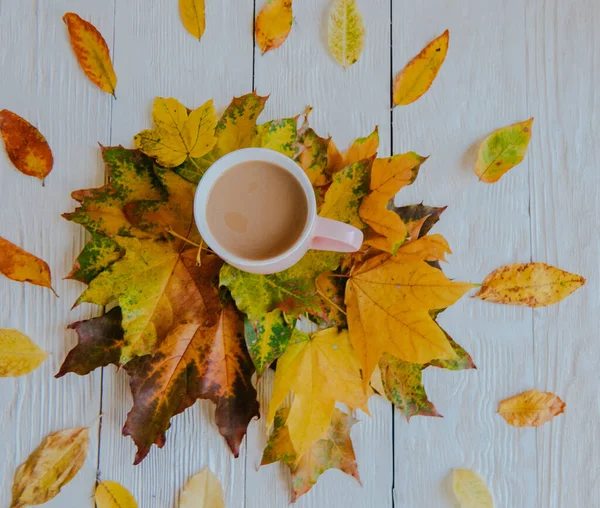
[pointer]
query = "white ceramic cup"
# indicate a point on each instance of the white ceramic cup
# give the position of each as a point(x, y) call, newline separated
point(319, 233)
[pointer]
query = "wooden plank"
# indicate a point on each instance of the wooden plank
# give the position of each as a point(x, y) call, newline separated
point(156, 56)
point(482, 86)
point(347, 104)
point(41, 80)
point(563, 68)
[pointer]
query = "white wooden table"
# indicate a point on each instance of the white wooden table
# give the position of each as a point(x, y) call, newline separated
point(508, 60)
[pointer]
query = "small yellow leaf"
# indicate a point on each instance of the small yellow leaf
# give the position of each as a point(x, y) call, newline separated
point(19, 355)
point(530, 284)
point(417, 77)
point(273, 24)
point(502, 150)
point(531, 408)
point(178, 135)
point(202, 490)
point(470, 489)
point(428, 248)
point(362, 148)
point(193, 16)
point(113, 495)
point(92, 52)
point(346, 33)
point(50, 467)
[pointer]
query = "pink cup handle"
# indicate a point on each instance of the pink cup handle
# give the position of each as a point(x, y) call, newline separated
point(335, 236)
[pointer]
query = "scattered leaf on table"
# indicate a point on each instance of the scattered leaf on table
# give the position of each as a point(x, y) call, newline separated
point(470, 489)
point(418, 76)
point(334, 451)
point(531, 408)
point(388, 306)
point(273, 24)
point(530, 284)
point(20, 266)
point(178, 135)
point(113, 495)
point(319, 369)
point(346, 32)
point(92, 52)
point(362, 148)
point(502, 150)
point(203, 490)
point(388, 176)
point(50, 467)
point(19, 355)
point(193, 16)
point(27, 149)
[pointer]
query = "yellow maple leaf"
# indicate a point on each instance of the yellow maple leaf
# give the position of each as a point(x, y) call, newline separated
point(427, 248)
point(178, 135)
point(470, 489)
point(113, 495)
point(19, 355)
point(388, 176)
point(388, 306)
point(193, 16)
point(417, 77)
point(531, 408)
point(362, 148)
point(346, 32)
point(273, 24)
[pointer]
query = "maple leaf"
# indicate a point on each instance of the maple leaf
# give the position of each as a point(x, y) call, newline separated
point(360, 149)
point(97, 255)
point(319, 369)
point(427, 248)
point(278, 135)
point(388, 306)
point(332, 289)
point(346, 32)
point(27, 149)
point(273, 24)
point(418, 76)
point(502, 150)
point(193, 16)
point(422, 215)
point(19, 355)
point(388, 176)
point(113, 495)
point(530, 284)
point(315, 157)
point(334, 451)
point(92, 52)
point(462, 360)
point(178, 135)
point(292, 290)
point(531, 408)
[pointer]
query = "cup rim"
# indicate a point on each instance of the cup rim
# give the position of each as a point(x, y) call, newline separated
point(234, 158)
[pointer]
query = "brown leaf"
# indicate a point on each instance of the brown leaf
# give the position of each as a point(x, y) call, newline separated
point(19, 265)
point(531, 408)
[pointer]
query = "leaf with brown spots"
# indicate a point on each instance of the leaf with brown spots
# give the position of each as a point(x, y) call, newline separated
point(334, 451)
point(21, 266)
point(27, 149)
point(531, 408)
point(92, 52)
point(273, 24)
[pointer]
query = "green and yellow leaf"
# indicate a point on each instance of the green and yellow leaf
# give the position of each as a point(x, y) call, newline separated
point(346, 32)
point(470, 489)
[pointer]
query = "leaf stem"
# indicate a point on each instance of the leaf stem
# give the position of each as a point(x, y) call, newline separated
point(171, 231)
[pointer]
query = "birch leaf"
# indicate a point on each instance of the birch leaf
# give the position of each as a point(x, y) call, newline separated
point(530, 284)
point(470, 489)
point(502, 150)
point(203, 490)
point(21, 266)
point(273, 24)
point(418, 76)
point(113, 495)
point(27, 149)
point(346, 32)
point(50, 467)
point(193, 16)
point(531, 408)
point(19, 355)
point(92, 52)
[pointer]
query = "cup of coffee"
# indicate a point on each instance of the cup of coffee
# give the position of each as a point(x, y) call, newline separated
point(256, 209)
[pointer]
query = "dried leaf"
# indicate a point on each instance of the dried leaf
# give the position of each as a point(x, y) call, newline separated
point(334, 451)
point(531, 408)
point(203, 490)
point(362, 148)
point(273, 24)
point(20, 266)
point(502, 150)
point(414, 214)
point(462, 360)
point(470, 489)
point(278, 135)
point(193, 16)
point(97, 255)
point(530, 284)
point(331, 290)
point(27, 149)
point(314, 156)
point(113, 495)
point(427, 248)
point(19, 355)
point(418, 76)
point(346, 32)
point(50, 467)
point(92, 52)
point(177, 134)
